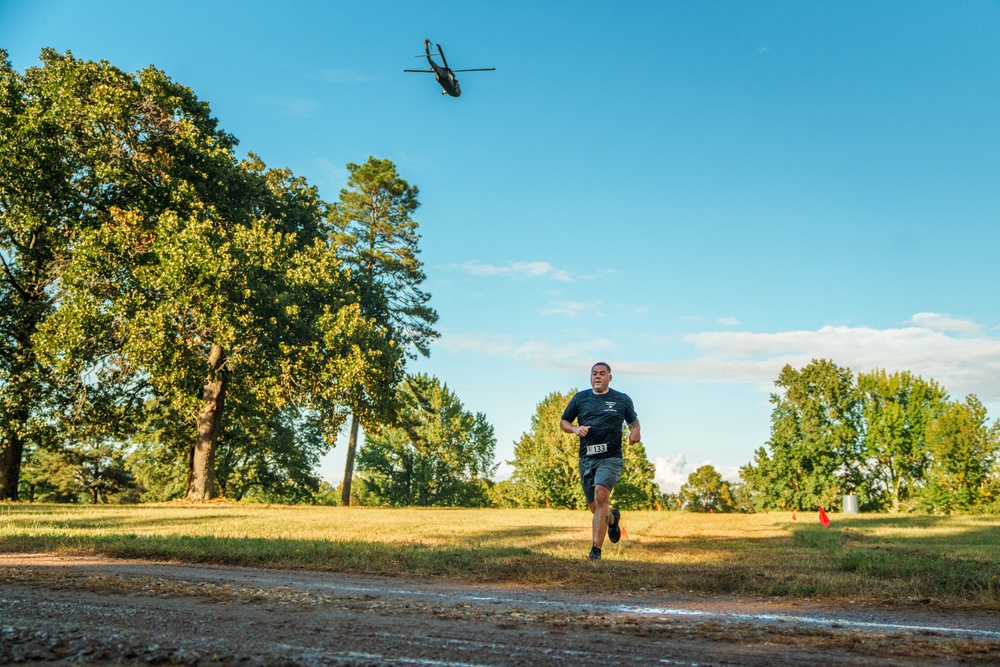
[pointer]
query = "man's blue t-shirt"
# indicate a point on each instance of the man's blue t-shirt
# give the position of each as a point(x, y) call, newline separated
point(604, 414)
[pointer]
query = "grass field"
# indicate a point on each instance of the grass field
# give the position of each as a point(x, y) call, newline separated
point(948, 561)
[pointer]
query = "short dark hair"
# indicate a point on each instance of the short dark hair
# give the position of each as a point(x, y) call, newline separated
point(601, 363)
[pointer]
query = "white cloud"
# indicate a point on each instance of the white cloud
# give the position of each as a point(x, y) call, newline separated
point(938, 322)
point(506, 346)
point(571, 309)
point(728, 321)
point(963, 364)
point(670, 473)
point(518, 270)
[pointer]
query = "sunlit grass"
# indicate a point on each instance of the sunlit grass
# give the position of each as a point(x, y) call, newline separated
point(950, 560)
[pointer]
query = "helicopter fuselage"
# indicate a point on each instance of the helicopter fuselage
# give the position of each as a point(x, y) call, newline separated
point(446, 78)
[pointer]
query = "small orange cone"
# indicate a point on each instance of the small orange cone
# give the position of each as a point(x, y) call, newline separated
point(823, 518)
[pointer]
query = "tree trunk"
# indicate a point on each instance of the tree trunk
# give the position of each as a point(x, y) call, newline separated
point(352, 446)
point(24, 393)
point(201, 475)
point(10, 462)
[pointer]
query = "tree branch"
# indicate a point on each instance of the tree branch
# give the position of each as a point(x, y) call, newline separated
point(10, 278)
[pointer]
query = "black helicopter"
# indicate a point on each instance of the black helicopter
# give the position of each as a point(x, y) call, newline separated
point(444, 75)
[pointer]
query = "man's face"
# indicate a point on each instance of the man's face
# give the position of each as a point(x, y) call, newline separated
point(600, 378)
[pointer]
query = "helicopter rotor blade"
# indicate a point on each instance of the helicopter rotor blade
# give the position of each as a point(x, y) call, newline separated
point(425, 71)
point(481, 69)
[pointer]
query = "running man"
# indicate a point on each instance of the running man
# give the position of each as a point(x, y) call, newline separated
point(599, 413)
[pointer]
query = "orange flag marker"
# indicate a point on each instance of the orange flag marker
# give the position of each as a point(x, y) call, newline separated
point(823, 518)
point(793, 516)
point(624, 533)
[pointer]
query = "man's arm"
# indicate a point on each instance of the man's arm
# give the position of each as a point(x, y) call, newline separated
point(634, 435)
point(568, 427)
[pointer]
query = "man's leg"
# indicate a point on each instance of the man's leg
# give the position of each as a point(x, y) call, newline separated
point(601, 512)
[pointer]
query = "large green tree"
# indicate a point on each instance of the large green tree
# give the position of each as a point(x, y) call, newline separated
point(546, 460)
point(812, 456)
point(140, 251)
point(438, 453)
point(963, 448)
point(706, 490)
point(635, 488)
point(246, 305)
point(377, 240)
point(897, 409)
point(78, 142)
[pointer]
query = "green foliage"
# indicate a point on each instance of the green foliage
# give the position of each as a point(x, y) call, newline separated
point(502, 494)
point(897, 410)
point(963, 450)
point(185, 278)
point(893, 439)
point(376, 239)
point(635, 489)
point(547, 466)
point(547, 460)
point(326, 494)
point(437, 454)
point(742, 497)
point(271, 462)
point(815, 440)
point(88, 473)
point(160, 472)
point(40, 212)
point(705, 490)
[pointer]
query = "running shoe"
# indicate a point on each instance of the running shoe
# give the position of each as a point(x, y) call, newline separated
point(595, 553)
point(615, 529)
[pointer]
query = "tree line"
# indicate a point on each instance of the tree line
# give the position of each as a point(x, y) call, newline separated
point(895, 440)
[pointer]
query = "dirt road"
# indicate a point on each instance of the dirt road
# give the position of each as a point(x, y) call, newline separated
point(65, 610)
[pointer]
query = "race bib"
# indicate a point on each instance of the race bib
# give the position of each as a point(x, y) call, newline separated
point(596, 449)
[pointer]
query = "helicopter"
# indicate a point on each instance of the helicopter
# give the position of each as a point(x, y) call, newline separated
point(444, 75)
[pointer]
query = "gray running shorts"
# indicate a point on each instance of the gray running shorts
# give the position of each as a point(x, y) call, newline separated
point(598, 471)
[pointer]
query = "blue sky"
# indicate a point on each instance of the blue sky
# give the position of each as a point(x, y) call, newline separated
point(697, 193)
